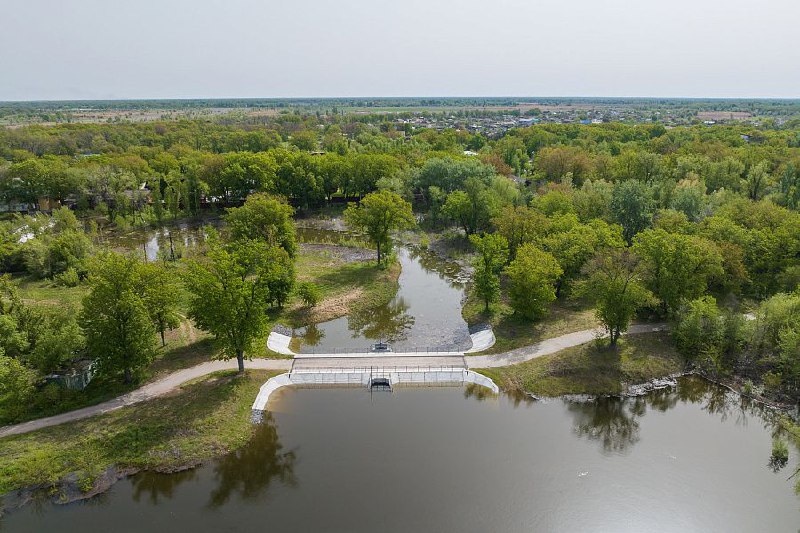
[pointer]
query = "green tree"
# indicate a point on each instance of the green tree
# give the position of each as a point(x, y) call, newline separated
point(492, 256)
point(700, 332)
point(757, 181)
point(266, 218)
point(613, 283)
point(520, 225)
point(679, 267)
point(119, 332)
point(160, 291)
point(232, 289)
point(532, 276)
point(16, 387)
point(633, 206)
point(157, 198)
point(470, 208)
point(56, 338)
point(378, 214)
point(574, 247)
point(689, 198)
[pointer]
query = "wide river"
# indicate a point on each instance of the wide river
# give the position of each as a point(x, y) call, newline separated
point(441, 459)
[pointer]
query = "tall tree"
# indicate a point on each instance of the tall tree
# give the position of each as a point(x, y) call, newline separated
point(160, 291)
point(633, 207)
point(378, 214)
point(679, 267)
point(264, 217)
point(119, 332)
point(492, 256)
point(232, 289)
point(614, 284)
point(531, 278)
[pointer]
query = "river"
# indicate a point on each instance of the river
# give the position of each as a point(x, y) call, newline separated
point(693, 458)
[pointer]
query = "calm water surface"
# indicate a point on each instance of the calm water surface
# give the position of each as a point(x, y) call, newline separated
point(441, 459)
point(424, 314)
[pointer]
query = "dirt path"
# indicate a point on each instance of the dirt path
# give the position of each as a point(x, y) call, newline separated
point(147, 392)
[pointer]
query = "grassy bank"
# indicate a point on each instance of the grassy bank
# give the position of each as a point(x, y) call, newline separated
point(345, 281)
point(512, 331)
point(592, 368)
point(202, 420)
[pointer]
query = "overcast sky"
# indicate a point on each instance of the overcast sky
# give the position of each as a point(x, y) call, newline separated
point(79, 49)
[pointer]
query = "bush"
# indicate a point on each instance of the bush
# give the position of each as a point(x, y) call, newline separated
point(310, 293)
point(700, 332)
point(68, 278)
point(780, 454)
point(16, 387)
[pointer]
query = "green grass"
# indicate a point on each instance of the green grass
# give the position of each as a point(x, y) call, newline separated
point(512, 331)
point(44, 291)
point(344, 286)
point(592, 368)
point(205, 419)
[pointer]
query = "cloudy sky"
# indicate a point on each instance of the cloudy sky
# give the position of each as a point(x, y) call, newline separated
point(78, 49)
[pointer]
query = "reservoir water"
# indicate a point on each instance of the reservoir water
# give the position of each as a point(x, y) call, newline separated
point(689, 459)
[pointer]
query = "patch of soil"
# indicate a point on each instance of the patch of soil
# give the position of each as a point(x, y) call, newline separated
point(333, 307)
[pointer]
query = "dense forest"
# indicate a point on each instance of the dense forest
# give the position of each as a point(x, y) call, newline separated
point(697, 225)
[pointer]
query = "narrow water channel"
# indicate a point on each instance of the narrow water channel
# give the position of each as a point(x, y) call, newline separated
point(424, 315)
point(441, 459)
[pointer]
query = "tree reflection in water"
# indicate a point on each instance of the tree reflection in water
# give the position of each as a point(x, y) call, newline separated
point(312, 335)
point(250, 470)
point(155, 485)
point(612, 421)
point(389, 322)
point(247, 471)
point(479, 392)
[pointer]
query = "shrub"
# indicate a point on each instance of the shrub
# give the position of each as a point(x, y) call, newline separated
point(68, 278)
point(780, 454)
point(310, 293)
point(700, 332)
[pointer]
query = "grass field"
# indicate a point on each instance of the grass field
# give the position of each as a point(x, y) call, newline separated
point(592, 368)
point(512, 331)
point(203, 420)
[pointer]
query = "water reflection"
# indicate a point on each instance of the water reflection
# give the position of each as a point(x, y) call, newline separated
point(153, 487)
point(448, 271)
point(249, 471)
point(478, 392)
point(390, 322)
point(427, 460)
point(165, 244)
point(246, 473)
point(312, 335)
point(611, 421)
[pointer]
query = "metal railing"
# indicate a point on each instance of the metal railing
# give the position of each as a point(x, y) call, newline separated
point(309, 350)
point(405, 369)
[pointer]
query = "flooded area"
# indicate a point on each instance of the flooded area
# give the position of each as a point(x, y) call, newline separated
point(167, 243)
point(691, 458)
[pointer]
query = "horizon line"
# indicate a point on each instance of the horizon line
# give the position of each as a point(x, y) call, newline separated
point(388, 97)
